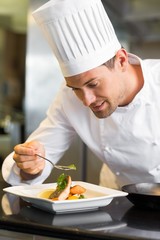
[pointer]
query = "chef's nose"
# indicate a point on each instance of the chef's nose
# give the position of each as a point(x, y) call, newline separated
point(88, 98)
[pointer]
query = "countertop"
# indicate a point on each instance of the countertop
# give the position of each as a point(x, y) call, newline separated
point(118, 220)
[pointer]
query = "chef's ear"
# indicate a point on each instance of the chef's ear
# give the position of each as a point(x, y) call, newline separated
point(121, 59)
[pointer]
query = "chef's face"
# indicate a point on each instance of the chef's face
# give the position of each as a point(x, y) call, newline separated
point(101, 89)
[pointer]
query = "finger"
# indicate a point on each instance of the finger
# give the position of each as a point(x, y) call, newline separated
point(23, 149)
point(31, 168)
point(31, 164)
point(23, 158)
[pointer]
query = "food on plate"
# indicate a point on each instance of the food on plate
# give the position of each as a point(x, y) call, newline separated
point(77, 189)
point(64, 190)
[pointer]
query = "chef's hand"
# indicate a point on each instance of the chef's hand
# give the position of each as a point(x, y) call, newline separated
point(25, 157)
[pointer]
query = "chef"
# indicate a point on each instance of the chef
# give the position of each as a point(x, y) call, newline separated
point(110, 98)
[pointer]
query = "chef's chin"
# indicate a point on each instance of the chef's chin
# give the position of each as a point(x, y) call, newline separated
point(103, 114)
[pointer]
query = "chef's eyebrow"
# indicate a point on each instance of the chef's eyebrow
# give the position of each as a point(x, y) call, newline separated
point(90, 80)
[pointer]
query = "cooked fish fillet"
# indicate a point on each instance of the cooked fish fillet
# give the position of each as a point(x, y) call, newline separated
point(62, 194)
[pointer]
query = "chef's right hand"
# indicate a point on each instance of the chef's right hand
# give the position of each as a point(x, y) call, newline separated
point(26, 159)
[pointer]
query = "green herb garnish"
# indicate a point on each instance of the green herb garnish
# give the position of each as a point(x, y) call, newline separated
point(81, 196)
point(72, 167)
point(62, 181)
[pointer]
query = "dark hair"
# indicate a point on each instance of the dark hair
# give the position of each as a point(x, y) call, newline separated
point(110, 63)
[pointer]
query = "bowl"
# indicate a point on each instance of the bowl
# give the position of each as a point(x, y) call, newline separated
point(144, 195)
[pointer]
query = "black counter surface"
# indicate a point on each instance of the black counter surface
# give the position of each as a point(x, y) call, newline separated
point(119, 220)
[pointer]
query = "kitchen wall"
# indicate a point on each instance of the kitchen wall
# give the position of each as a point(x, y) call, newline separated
point(13, 26)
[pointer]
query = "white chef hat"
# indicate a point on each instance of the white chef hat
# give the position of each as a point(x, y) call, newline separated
point(79, 33)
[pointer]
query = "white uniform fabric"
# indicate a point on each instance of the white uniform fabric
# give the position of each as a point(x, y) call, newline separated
point(128, 141)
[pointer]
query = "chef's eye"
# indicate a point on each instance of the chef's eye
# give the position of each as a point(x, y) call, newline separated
point(92, 85)
point(75, 89)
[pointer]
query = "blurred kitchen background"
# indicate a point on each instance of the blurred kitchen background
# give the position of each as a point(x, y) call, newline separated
point(30, 75)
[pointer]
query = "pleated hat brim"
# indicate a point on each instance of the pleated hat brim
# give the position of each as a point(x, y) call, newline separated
point(79, 32)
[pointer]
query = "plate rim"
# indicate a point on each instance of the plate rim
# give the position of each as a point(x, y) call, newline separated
point(116, 193)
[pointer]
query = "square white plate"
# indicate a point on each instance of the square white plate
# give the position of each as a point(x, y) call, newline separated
point(95, 197)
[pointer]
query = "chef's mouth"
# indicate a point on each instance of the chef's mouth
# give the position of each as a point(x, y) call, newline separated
point(98, 107)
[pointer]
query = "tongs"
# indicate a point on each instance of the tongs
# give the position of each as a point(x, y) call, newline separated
point(61, 167)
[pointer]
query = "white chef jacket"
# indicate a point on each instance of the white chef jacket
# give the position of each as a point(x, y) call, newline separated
point(128, 141)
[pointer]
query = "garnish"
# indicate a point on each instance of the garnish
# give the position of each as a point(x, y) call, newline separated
point(62, 181)
point(72, 166)
point(81, 196)
point(64, 190)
